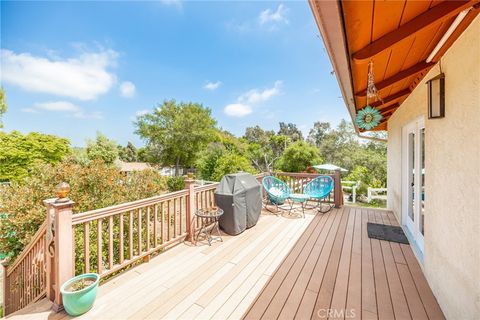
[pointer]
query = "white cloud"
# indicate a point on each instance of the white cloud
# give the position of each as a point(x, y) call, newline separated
point(245, 101)
point(57, 106)
point(256, 95)
point(127, 89)
point(269, 16)
point(63, 106)
point(237, 110)
point(85, 77)
point(212, 85)
point(29, 110)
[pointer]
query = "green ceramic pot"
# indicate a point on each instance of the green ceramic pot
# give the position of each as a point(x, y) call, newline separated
point(79, 302)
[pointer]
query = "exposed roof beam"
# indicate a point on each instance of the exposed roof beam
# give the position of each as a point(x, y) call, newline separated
point(402, 75)
point(440, 12)
point(389, 108)
point(390, 98)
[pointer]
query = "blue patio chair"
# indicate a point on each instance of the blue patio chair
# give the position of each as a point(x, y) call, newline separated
point(277, 191)
point(319, 189)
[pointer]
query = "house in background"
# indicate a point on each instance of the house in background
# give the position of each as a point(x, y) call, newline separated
point(425, 54)
point(128, 167)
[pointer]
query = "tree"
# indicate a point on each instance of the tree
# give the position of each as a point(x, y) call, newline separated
point(231, 162)
point(298, 156)
point(128, 153)
point(102, 148)
point(265, 147)
point(290, 130)
point(208, 159)
point(3, 105)
point(258, 135)
point(18, 153)
point(318, 132)
point(176, 132)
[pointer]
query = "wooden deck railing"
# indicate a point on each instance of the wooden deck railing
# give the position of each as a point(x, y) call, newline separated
point(25, 278)
point(110, 239)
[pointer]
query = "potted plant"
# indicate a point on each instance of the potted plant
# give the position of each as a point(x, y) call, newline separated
point(79, 293)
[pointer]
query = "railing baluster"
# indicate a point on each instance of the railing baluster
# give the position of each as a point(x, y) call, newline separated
point(169, 220)
point(155, 225)
point(121, 247)
point(174, 218)
point(162, 223)
point(130, 235)
point(180, 201)
point(99, 246)
point(147, 233)
point(86, 246)
point(139, 217)
point(110, 242)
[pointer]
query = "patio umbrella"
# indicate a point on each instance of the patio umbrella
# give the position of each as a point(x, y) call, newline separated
point(329, 166)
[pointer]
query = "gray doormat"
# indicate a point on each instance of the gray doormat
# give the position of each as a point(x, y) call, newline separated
point(385, 232)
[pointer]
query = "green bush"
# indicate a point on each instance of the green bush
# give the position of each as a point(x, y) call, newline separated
point(298, 156)
point(175, 183)
point(231, 162)
point(93, 186)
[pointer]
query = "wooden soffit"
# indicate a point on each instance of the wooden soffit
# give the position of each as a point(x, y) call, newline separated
point(398, 36)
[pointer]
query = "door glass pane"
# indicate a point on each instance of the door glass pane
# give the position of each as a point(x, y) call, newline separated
point(411, 170)
point(422, 186)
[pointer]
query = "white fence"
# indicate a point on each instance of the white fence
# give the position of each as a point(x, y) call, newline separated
point(376, 193)
point(351, 187)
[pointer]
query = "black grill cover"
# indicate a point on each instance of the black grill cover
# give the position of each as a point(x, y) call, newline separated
point(240, 197)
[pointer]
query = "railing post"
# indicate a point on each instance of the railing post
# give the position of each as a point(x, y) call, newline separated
point(190, 185)
point(5, 288)
point(60, 266)
point(337, 194)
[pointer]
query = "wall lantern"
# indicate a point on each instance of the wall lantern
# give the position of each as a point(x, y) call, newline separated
point(436, 97)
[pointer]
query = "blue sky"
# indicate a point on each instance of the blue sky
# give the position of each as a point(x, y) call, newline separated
point(75, 68)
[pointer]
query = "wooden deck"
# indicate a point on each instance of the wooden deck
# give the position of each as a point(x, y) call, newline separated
point(335, 271)
point(189, 281)
point(285, 267)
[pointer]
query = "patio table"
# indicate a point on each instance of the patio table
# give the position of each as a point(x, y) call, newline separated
point(299, 198)
point(207, 217)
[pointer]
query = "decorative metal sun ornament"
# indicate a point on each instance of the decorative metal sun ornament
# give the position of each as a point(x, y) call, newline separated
point(369, 117)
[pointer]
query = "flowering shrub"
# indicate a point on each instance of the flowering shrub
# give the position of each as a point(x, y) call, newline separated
point(93, 186)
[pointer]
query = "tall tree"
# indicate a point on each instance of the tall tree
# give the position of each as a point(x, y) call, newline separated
point(176, 132)
point(258, 135)
point(3, 105)
point(128, 153)
point(318, 132)
point(102, 148)
point(19, 153)
point(290, 130)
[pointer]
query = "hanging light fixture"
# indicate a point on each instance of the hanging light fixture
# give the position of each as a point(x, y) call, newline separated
point(369, 117)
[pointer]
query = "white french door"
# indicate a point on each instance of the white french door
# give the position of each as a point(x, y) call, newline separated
point(413, 180)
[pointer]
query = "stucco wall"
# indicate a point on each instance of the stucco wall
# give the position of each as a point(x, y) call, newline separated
point(452, 164)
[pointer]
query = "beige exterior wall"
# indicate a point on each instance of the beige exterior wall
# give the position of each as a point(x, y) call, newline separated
point(452, 206)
